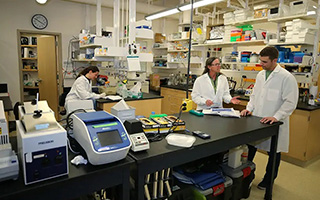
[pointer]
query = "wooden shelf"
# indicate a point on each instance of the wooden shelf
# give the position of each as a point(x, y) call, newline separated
point(292, 64)
point(185, 63)
point(185, 39)
point(278, 19)
point(90, 46)
point(288, 18)
point(90, 60)
point(242, 63)
point(144, 38)
point(29, 58)
point(160, 48)
point(237, 71)
point(166, 68)
point(251, 21)
point(30, 46)
point(173, 51)
point(289, 44)
point(251, 42)
point(239, 63)
point(29, 70)
point(32, 88)
point(159, 58)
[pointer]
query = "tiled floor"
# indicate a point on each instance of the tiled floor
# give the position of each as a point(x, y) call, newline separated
point(293, 182)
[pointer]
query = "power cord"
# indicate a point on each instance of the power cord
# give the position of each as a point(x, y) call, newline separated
point(69, 126)
point(155, 137)
point(69, 120)
point(182, 108)
point(69, 145)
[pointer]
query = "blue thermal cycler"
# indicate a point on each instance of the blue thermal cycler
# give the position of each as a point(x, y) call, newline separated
point(102, 136)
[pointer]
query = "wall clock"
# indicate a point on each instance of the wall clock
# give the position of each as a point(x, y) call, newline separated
point(39, 21)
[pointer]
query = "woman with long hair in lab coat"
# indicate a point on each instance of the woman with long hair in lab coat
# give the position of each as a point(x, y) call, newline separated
point(82, 89)
point(212, 87)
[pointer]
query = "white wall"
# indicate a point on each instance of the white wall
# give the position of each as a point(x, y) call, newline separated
point(64, 17)
point(171, 26)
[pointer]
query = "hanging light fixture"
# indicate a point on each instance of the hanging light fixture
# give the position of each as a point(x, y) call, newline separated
point(198, 4)
point(163, 13)
point(180, 8)
point(41, 1)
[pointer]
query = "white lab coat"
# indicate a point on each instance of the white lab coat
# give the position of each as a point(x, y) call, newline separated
point(81, 90)
point(275, 97)
point(203, 90)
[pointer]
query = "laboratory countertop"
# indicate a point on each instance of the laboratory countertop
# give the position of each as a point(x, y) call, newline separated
point(7, 103)
point(223, 131)
point(300, 106)
point(145, 96)
point(304, 106)
point(178, 87)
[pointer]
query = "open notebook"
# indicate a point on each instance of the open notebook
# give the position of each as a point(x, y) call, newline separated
point(223, 112)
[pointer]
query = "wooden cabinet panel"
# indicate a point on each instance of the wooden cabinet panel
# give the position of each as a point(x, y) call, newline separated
point(172, 100)
point(299, 125)
point(143, 107)
point(313, 147)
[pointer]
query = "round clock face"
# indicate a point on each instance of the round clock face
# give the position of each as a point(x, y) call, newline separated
point(39, 21)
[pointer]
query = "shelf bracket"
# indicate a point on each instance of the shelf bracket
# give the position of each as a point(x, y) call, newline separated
point(243, 4)
point(232, 6)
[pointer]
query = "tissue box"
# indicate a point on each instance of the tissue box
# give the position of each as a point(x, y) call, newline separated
point(124, 114)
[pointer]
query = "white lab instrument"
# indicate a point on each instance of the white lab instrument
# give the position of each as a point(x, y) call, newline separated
point(42, 144)
point(102, 136)
point(9, 166)
point(73, 105)
point(139, 142)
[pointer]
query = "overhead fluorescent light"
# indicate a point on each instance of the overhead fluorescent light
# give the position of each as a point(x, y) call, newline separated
point(162, 14)
point(198, 4)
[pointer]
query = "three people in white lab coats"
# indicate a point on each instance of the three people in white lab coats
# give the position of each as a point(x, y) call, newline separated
point(274, 98)
point(211, 88)
point(82, 87)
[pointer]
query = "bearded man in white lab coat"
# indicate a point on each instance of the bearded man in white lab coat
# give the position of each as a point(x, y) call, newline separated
point(274, 98)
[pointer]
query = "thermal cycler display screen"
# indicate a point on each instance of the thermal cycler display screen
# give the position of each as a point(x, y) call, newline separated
point(109, 137)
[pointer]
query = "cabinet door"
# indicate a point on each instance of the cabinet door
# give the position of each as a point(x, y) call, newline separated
point(165, 101)
point(313, 147)
point(299, 125)
point(47, 71)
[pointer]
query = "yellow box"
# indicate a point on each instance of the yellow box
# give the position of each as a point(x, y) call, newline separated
point(248, 68)
point(261, 13)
